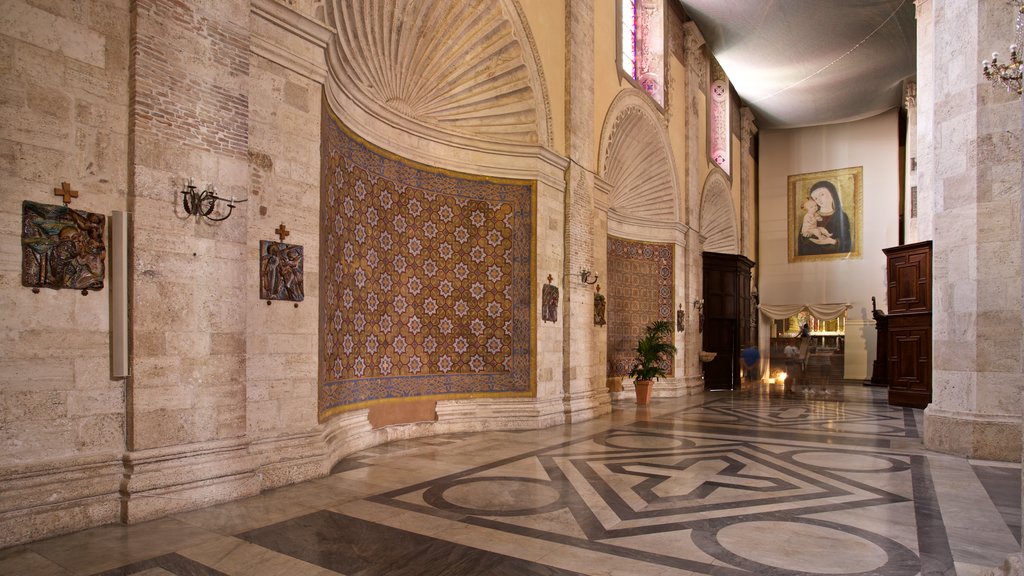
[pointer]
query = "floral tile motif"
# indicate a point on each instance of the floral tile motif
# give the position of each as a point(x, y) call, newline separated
point(640, 289)
point(426, 279)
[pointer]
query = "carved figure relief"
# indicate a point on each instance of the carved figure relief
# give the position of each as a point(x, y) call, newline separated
point(281, 271)
point(680, 319)
point(549, 302)
point(62, 247)
point(600, 305)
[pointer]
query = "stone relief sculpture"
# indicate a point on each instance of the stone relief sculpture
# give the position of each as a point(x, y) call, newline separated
point(599, 308)
point(281, 271)
point(680, 319)
point(62, 247)
point(549, 302)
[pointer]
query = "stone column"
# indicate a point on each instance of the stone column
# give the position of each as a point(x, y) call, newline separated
point(694, 83)
point(586, 395)
point(975, 173)
point(911, 202)
point(189, 117)
point(748, 181)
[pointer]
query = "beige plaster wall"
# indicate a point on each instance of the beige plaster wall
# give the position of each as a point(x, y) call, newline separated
point(607, 80)
point(547, 24)
point(871, 143)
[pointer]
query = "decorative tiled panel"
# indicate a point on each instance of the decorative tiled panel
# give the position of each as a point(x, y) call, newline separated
point(640, 289)
point(426, 277)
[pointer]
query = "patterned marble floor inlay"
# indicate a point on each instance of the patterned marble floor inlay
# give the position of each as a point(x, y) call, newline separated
point(755, 483)
point(706, 493)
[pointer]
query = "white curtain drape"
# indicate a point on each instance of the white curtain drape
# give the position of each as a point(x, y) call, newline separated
point(819, 311)
point(770, 312)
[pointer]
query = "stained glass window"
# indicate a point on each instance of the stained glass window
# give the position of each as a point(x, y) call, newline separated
point(642, 26)
point(719, 116)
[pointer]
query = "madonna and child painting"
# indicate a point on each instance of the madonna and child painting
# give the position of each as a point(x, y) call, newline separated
point(825, 214)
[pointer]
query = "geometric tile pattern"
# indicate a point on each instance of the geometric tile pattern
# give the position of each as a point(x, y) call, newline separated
point(710, 493)
point(672, 489)
point(640, 290)
point(815, 416)
point(426, 277)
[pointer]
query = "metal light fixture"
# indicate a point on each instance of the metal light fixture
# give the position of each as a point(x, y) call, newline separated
point(202, 204)
point(585, 276)
point(1008, 75)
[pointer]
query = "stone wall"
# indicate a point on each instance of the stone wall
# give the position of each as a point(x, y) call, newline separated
point(128, 100)
point(64, 117)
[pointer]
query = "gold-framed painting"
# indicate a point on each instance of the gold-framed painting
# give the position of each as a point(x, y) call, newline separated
point(824, 218)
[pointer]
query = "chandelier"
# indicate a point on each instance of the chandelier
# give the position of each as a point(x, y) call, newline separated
point(1008, 75)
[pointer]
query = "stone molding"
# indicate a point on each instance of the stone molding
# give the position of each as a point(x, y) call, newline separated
point(433, 147)
point(638, 228)
point(284, 25)
point(696, 60)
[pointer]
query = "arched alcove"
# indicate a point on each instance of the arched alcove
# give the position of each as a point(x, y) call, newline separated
point(717, 216)
point(463, 74)
point(644, 227)
point(636, 161)
point(435, 149)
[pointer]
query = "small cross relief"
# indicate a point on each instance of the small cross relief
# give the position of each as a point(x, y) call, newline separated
point(65, 191)
point(282, 232)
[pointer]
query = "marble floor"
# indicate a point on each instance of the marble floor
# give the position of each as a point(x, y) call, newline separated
point(764, 481)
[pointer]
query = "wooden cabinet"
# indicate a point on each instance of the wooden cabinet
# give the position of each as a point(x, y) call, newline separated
point(909, 333)
point(728, 310)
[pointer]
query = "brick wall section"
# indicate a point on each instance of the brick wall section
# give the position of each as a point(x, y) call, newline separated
point(189, 118)
point(190, 81)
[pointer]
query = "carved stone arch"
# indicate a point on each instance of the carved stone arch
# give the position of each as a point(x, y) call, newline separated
point(636, 160)
point(456, 72)
point(717, 216)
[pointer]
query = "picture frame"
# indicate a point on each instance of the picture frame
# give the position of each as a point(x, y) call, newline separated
point(824, 218)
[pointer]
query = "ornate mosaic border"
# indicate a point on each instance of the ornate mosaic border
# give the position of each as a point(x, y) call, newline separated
point(640, 279)
point(427, 279)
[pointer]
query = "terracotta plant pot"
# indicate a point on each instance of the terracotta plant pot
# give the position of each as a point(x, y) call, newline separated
point(643, 391)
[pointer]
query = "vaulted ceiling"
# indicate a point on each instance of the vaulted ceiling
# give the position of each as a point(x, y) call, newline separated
point(810, 62)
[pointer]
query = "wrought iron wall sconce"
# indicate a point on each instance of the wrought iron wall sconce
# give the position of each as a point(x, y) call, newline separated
point(698, 305)
point(202, 204)
point(585, 276)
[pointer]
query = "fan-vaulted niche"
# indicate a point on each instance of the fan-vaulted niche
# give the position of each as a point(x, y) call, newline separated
point(717, 217)
point(461, 67)
point(637, 161)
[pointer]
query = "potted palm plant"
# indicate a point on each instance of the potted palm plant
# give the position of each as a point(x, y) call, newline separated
point(654, 351)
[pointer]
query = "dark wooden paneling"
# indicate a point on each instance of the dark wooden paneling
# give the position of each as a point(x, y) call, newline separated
point(909, 273)
point(909, 340)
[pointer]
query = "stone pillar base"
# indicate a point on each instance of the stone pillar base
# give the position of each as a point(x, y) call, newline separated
point(290, 459)
point(587, 405)
point(40, 500)
point(164, 481)
point(985, 437)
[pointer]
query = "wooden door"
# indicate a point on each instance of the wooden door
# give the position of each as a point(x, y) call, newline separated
point(727, 307)
point(909, 340)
